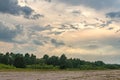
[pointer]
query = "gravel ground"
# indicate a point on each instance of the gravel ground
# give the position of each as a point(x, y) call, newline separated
point(62, 75)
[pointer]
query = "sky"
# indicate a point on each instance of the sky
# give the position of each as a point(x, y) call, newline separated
point(85, 29)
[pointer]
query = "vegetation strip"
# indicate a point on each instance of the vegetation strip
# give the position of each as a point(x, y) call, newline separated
point(30, 62)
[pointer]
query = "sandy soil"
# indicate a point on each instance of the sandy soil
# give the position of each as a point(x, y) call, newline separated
point(61, 75)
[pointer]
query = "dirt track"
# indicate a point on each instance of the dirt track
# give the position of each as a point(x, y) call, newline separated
point(61, 75)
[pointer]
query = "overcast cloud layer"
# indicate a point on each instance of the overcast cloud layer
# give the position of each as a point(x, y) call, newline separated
point(96, 4)
point(85, 29)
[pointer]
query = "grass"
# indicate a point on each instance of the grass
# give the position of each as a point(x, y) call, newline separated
point(6, 68)
point(3, 66)
point(39, 67)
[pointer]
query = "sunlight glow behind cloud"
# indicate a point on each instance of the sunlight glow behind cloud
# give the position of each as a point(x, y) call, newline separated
point(79, 28)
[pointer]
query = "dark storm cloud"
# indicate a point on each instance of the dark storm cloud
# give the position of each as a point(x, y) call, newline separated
point(57, 32)
point(38, 42)
point(92, 46)
point(96, 4)
point(69, 26)
point(7, 33)
point(57, 43)
point(113, 15)
point(12, 7)
point(21, 35)
point(107, 23)
point(48, 0)
point(40, 28)
point(76, 12)
point(35, 16)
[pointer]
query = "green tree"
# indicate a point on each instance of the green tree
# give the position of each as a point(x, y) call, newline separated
point(99, 63)
point(19, 61)
point(46, 58)
point(54, 60)
point(27, 59)
point(33, 59)
point(1, 57)
point(7, 59)
point(62, 61)
point(69, 63)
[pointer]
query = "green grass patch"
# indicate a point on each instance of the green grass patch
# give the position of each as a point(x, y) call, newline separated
point(3, 66)
point(38, 66)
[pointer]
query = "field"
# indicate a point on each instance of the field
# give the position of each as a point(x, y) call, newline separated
point(61, 75)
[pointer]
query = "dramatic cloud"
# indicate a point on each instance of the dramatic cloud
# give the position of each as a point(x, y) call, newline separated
point(113, 15)
point(92, 46)
point(40, 28)
point(57, 43)
point(12, 7)
point(37, 42)
point(8, 32)
point(86, 29)
point(101, 4)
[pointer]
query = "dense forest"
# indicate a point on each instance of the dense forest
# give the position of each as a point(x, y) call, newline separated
point(54, 62)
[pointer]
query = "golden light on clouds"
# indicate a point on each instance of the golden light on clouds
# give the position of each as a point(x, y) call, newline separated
point(5, 47)
point(74, 27)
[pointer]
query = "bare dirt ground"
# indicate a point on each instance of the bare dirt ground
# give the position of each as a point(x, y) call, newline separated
point(62, 75)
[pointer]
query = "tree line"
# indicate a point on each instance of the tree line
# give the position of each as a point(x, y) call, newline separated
point(62, 62)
